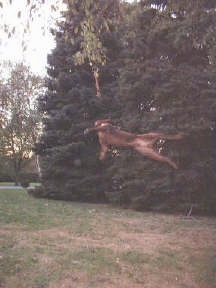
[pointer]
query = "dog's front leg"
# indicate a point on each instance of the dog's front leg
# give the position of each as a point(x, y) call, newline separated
point(103, 151)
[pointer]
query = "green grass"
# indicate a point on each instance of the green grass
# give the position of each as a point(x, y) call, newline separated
point(33, 184)
point(6, 183)
point(56, 244)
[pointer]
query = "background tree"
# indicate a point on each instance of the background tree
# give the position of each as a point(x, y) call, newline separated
point(20, 119)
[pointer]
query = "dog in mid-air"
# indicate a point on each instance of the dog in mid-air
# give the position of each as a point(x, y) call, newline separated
point(143, 143)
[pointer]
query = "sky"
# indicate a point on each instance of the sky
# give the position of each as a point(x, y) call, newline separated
point(38, 37)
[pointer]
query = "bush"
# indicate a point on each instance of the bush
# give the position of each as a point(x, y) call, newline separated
point(27, 178)
point(37, 192)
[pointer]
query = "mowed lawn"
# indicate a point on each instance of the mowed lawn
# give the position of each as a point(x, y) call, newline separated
point(57, 244)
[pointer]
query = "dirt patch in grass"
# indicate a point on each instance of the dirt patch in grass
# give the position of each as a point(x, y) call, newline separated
point(140, 259)
point(78, 280)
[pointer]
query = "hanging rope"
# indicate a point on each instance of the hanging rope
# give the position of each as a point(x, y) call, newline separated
point(96, 76)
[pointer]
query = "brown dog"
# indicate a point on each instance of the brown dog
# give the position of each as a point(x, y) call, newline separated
point(143, 143)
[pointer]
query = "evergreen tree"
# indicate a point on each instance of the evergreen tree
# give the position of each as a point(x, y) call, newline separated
point(167, 84)
point(70, 166)
point(159, 76)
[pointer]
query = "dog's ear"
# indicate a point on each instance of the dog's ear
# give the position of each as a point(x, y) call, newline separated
point(102, 121)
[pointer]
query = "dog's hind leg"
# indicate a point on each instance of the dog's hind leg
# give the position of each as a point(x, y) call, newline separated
point(150, 153)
